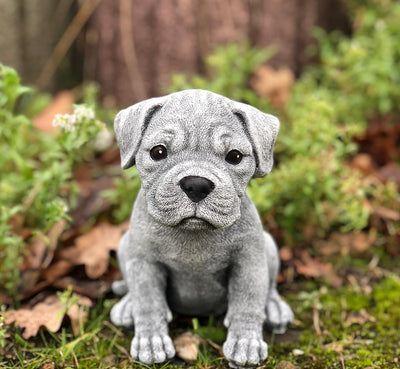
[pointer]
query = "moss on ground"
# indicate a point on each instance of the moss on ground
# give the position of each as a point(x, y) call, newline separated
point(355, 326)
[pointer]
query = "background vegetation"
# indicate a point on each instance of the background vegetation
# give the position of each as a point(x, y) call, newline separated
point(332, 205)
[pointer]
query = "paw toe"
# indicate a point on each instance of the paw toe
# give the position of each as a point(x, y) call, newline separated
point(152, 349)
point(245, 352)
point(254, 351)
point(240, 353)
point(159, 354)
point(145, 354)
point(168, 347)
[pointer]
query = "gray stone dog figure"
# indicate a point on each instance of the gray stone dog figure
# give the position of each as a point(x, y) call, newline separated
point(196, 245)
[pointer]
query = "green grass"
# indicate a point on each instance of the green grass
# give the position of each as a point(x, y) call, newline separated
point(355, 326)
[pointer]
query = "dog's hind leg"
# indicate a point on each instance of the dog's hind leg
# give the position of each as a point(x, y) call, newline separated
point(121, 313)
point(279, 313)
point(120, 288)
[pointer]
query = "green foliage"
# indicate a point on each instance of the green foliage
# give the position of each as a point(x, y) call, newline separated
point(230, 68)
point(344, 333)
point(36, 183)
point(330, 104)
point(210, 331)
point(123, 194)
point(362, 326)
point(362, 72)
point(3, 333)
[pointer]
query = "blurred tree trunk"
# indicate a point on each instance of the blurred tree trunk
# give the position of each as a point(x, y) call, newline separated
point(133, 46)
point(29, 30)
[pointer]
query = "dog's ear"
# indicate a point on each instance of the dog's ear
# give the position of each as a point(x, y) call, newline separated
point(262, 130)
point(130, 125)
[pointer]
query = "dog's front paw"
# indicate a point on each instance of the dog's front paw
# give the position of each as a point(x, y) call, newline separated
point(122, 312)
point(152, 348)
point(244, 352)
point(279, 314)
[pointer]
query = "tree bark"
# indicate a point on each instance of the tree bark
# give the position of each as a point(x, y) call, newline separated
point(29, 31)
point(137, 45)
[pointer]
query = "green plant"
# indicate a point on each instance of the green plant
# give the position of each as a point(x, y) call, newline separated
point(362, 73)
point(3, 332)
point(331, 103)
point(36, 185)
point(122, 196)
point(229, 68)
point(311, 185)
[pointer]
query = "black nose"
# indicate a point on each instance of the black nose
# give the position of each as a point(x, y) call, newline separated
point(196, 188)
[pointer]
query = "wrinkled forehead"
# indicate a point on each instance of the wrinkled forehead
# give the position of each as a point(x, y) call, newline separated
point(196, 123)
point(197, 111)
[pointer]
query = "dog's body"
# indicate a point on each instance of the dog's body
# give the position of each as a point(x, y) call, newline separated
point(196, 244)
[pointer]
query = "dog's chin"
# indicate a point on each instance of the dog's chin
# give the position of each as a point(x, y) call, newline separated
point(195, 224)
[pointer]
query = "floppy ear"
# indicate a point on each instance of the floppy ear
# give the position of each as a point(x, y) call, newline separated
point(130, 125)
point(262, 130)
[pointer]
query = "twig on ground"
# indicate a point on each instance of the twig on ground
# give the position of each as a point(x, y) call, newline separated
point(316, 324)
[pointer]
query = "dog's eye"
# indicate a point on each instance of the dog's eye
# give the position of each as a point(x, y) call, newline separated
point(158, 152)
point(234, 157)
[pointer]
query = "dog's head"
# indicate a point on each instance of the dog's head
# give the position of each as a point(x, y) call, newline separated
point(195, 152)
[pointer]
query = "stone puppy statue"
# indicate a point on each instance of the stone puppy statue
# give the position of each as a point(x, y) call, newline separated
point(196, 245)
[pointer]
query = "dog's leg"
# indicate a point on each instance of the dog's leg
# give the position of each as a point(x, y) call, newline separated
point(247, 291)
point(145, 307)
point(279, 313)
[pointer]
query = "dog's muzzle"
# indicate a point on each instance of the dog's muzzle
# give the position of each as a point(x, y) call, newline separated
point(196, 188)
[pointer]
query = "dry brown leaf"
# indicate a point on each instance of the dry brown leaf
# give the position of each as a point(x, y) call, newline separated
point(380, 140)
point(274, 84)
point(91, 288)
point(187, 346)
point(335, 346)
point(364, 163)
point(386, 213)
point(61, 104)
point(77, 316)
point(6, 300)
point(41, 249)
point(57, 270)
point(40, 253)
point(90, 200)
point(285, 365)
point(93, 248)
point(48, 314)
point(354, 243)
point(48, 366)
point(359, 317)
point(286, 253)
point(315, 268)
point(390, 171)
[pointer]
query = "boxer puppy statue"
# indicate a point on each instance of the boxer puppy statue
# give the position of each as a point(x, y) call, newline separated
point(196, 245)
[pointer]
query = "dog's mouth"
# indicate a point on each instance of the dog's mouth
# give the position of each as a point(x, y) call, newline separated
point(195, 223)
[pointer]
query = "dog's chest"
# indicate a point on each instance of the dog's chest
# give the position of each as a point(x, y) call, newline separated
point(197, 280)
point(194, 260)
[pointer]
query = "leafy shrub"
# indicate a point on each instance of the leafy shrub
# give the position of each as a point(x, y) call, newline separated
point(330, 104)
point(362, 73)
point(122, 196)
point(230, 67)
point(36, 186)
